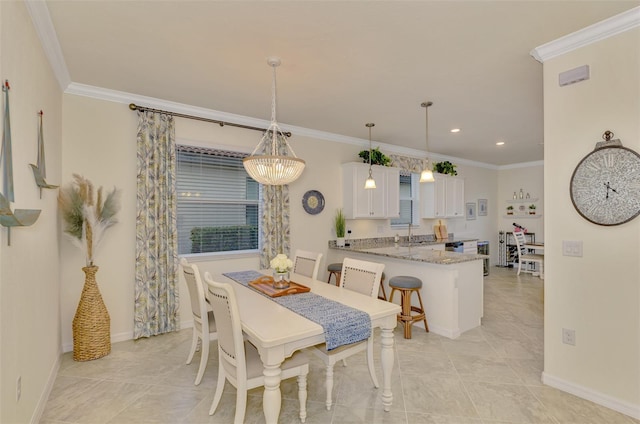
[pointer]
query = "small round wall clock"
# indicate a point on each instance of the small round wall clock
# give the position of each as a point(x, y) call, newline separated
point(605, 186)
point(313, 202)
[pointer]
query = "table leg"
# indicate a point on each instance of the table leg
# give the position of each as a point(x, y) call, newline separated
point(272, 397)
point(387, 366)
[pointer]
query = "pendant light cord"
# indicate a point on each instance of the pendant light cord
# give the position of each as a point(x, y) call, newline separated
point(426, 105)
point(369, 125)
point(274, 122)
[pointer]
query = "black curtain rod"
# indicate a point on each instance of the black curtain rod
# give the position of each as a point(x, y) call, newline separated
point(133, 106)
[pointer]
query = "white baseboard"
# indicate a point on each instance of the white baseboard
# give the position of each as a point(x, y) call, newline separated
point(450, 334)
point(44, 396)
point(124, 336)
point(596, 397)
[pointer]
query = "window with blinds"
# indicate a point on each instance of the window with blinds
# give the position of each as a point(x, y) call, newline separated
point(218, 202)
point(408, 200)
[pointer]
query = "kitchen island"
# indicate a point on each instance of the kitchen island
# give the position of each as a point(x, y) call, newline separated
point(452, 283)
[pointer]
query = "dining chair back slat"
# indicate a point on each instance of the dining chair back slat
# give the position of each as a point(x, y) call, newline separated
point(307, 263)
point(361, 276)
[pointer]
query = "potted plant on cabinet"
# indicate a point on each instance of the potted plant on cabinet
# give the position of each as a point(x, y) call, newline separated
point(377, 157)
point(532, 209)
point(509, 210)
point(445, 167)
point(340, 226)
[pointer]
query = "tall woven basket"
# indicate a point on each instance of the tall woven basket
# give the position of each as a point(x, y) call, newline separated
point(91, 324)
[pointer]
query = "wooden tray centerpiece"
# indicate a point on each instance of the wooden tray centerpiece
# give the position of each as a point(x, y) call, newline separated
point(265, 285)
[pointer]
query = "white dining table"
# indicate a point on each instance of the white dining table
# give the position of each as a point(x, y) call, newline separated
point(537, 247)
point(278, 332)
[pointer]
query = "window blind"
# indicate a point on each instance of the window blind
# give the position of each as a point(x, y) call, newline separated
point(217, 202)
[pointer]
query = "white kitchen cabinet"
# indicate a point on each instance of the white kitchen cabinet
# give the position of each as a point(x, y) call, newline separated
point(443, 198)
point(378, 203)
point(455, 197)
point(433, 197)
point(392, 184)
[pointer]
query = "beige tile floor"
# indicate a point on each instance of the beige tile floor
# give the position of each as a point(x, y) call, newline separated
point(489, 375)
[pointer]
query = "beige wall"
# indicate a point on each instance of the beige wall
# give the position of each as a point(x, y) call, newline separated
point(29, 268)
point(598, 294)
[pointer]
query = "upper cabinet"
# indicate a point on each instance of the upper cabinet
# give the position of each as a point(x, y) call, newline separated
point(378, 203)
point(455, 197)
point(444, 198)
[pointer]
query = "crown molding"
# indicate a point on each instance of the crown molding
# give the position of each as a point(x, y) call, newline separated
point(41, 19)
point(591, 34)
point(521, 165)
point(126, 98)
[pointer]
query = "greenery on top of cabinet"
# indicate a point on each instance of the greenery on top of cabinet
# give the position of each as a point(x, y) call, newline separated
point(445, 167)
point(377, 157)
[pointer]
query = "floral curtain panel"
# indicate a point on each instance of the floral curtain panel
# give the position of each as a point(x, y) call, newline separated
point(275, 223)
point(156, 281)
point(407, 164)
point(275, 232)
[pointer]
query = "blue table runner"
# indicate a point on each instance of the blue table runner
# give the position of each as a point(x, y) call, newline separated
point(342, 324)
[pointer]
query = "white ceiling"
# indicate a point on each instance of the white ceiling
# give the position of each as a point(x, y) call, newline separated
point(344, 63)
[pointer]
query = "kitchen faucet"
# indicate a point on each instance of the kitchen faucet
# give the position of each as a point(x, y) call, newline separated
point(409, 235)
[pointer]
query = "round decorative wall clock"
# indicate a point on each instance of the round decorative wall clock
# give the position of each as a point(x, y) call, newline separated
point(313, 202)
point(605, 186)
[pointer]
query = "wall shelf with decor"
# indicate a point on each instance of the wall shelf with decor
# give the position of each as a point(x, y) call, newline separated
point(532, 200)
point(519, 208)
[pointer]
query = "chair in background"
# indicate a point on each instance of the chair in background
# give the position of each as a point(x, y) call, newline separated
point(240, 361)
point(362, 277)
point(524, 257)
point(203, 329)
point(306, 263)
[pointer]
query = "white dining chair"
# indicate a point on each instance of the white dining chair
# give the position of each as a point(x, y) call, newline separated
point(239, 360)
point(204, 330)
point(307, 263)
point(524, 256)
point(362, 277)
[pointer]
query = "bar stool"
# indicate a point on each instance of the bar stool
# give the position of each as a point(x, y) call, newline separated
point(382, 296)
point(406, 285)
point(335, 269)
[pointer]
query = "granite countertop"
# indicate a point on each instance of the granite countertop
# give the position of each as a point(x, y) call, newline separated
point(418, 253)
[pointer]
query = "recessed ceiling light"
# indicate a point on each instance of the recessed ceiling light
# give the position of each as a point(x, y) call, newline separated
point(500, 143)
point(455, 130)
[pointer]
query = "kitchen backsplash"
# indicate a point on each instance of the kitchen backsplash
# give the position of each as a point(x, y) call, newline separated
point(366, 243)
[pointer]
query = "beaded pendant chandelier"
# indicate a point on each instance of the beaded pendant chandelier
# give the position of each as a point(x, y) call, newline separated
point(273, 166)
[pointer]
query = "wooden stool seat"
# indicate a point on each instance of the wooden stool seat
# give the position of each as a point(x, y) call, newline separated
point(407, 285)
point(335, 269)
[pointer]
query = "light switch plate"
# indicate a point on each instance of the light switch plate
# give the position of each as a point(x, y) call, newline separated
point(572, 248)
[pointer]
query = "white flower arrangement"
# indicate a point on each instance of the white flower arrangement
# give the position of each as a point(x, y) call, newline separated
point(281, 263)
